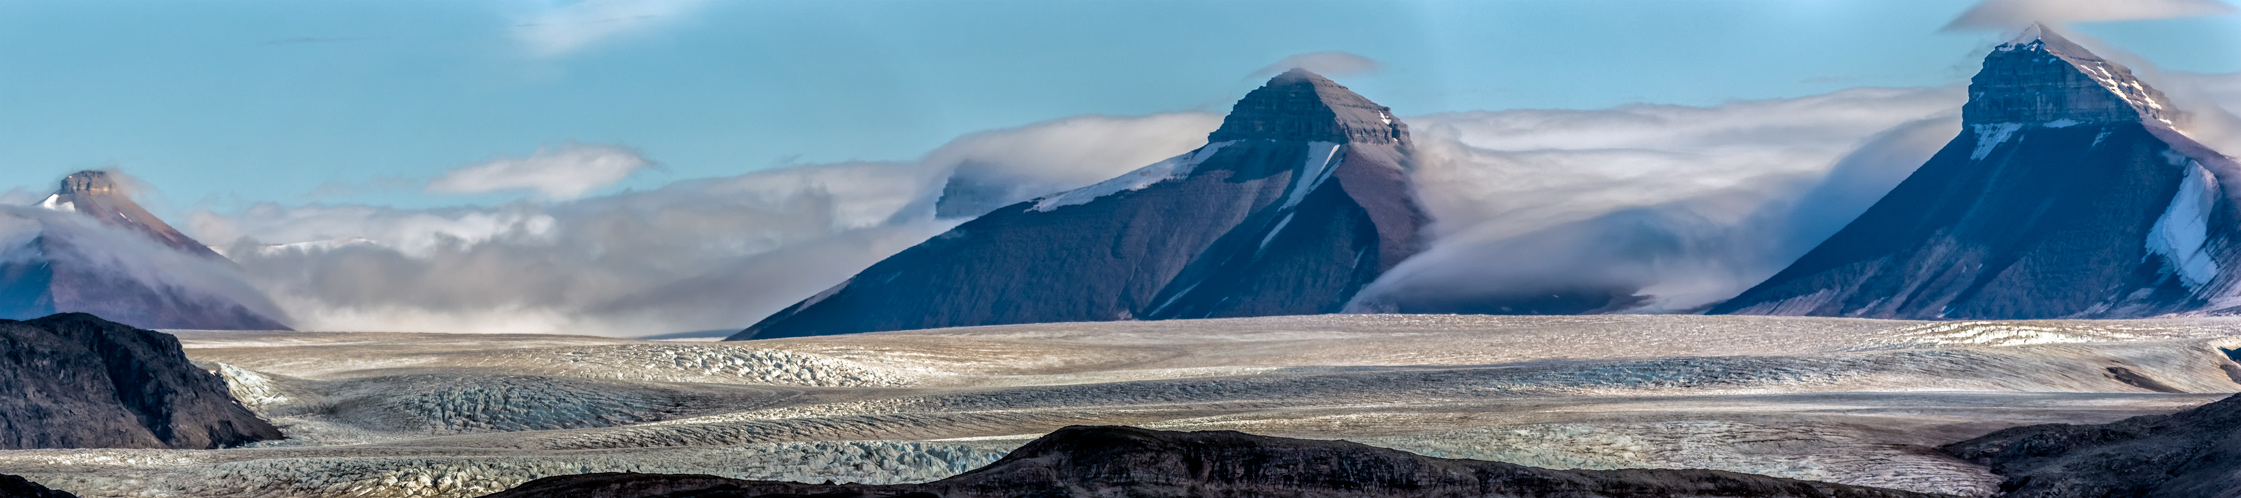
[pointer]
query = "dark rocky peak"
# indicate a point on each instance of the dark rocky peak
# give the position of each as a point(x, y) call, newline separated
point(88, 183)
point(1302, 106)
point(2042, 78)
point(94, 193)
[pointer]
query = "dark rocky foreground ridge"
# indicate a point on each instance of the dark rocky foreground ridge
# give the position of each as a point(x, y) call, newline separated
point(1299, 200)
point(74, 380)
point(2069, 194)
point(89, 248)
point(1127, 461)
point(2194, 453)
point(18, 487)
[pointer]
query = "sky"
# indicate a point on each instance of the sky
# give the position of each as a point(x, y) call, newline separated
point(632, 167)
point(220, 103)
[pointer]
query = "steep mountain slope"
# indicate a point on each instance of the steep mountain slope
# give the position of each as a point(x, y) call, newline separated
point(1127, 461)
point(2191, 453)
point(77, 381)
point(2069, 194)
point(89, 248)
point(1297, 201)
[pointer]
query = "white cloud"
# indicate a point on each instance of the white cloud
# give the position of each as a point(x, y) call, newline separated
point(2013, 14)
point(698, 254)
point(1000, 167)
point(1327, 63)
point(566, 172)
point(1692, 204)
point(556, 30)
point(96, 248)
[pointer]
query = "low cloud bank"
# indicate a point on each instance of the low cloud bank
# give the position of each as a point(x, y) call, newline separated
point(1643, 208)
point(698, 254)
point(1648, 208)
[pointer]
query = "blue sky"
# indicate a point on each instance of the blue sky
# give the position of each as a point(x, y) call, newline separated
point(219, 104)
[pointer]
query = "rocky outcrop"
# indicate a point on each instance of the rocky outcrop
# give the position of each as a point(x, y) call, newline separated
point(1300, 199)
point(1125, 461)
point(18, 487)
point(2194, 453)
point(77, 381)
point(88, 248)
point(2069, 194)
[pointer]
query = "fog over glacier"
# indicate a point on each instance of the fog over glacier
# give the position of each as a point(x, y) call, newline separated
point(1689, 204)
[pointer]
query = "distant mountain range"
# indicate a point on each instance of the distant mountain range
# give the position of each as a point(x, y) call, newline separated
point(2069, 195)
point(89, 248)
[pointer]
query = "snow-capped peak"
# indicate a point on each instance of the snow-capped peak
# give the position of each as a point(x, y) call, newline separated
point(56, 203)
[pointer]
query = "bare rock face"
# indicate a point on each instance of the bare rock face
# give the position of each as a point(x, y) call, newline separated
point(2194, 453)
point(1126, 461)
point(1300, 199)
point(77, 381)
point(18, 487)
point(2068, 195)
point(125, 264)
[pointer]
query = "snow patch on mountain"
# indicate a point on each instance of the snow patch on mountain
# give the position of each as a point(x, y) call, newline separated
point(1172, 168)
point(2182, 234)
point(1273, 231)
point(1990, 136)
point(1320, 156)
point(55, 203)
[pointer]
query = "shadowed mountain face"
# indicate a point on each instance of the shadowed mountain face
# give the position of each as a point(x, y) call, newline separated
point(126, 265)
point(2191, 453)
point(77, 381)
point(1126, 461)
point(2068, 195)
point(1300, 199)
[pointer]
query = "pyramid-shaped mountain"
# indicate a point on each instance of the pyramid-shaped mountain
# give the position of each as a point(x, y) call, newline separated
point(92, 250)
point(1299, 199)
point(2068, 194)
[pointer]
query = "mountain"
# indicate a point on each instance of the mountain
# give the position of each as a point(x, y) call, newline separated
point(77, 381)
point(2191, 453)
point(89, 248)
point(2069, 194)
point(1127, 461)
point(1297, 201)
point(93, 193)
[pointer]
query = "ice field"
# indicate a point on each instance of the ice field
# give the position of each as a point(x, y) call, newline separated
point(1843, 400)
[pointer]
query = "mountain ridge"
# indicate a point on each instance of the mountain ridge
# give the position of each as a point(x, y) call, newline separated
point(1298, 200)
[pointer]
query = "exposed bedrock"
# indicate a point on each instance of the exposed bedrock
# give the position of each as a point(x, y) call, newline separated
point(2194, 453)
point(1127, 461)
point(18, 487)
point(74, 380)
